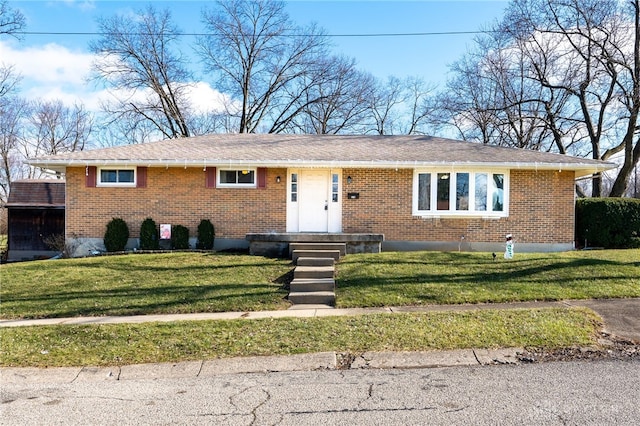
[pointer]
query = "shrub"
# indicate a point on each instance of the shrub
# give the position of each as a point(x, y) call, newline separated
point(149, 235)
point(116, 235)
point(206, 235)
point(59, 243)
point(180, 237)
point(608, 222)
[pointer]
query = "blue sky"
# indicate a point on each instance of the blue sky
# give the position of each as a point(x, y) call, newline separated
point(56, 65)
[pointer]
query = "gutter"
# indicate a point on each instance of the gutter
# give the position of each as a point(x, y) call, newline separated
point(62, 164)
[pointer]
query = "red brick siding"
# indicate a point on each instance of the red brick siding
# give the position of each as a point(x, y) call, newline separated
point(541, 206)
point(541, 209)
point(177, 196)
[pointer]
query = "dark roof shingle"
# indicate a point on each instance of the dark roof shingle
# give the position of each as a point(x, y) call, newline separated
point(37, 193)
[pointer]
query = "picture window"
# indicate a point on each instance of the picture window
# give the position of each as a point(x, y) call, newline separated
point(464, 193)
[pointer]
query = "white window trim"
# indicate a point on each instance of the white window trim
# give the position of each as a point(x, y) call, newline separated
point(99, 182)
point(220, 184)
point(451, 212)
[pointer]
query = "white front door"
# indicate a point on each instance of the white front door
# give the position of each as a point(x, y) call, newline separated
point(314, 203)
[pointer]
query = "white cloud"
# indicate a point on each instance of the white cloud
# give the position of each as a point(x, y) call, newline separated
point(48, 64)
point(205, 99)
point(84, 5)
point(54, 72)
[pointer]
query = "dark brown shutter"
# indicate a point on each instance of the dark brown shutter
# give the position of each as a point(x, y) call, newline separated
point(210, 177)
point(262, 177)
point(141, 178)
point(90, 178)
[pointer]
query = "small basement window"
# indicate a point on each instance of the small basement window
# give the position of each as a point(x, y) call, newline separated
point(117, 177)
point(237, 178)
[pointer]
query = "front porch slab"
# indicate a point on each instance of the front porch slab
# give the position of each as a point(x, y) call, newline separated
point(277, 244)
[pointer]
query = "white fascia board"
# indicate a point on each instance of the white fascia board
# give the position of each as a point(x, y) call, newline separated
point(581, 169)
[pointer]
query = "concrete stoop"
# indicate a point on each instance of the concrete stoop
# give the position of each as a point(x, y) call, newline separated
point(314, 275)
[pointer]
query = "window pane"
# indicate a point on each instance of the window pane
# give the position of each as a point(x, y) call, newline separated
point(110, 176)
point(424, 191)
point(443, 191)
point(125, 176)
point(498, 192)
point(481, 192)
point(246, 176)
point(462, 191)
point(334, 187)
point(294, 187)
point(228, 176)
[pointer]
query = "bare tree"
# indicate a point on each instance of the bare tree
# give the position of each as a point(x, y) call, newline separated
point(139, 61)
point(624, 66)
point(260, 57)
point(555, 74)
point(338, 102)
point(564, 42)
point(55, 128)
point(8, 80)
point(492, 98)
point(386, 103)
point(421, 106)
point(466, 103)
point(13, 110)
point(11, 20)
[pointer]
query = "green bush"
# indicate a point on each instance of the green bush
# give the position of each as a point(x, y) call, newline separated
point(149, 235)
point(206, 235)
point(180, 237)
point(116, 235)
point(608, 222)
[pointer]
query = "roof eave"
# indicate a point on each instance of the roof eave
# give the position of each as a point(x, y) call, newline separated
point(581, 169)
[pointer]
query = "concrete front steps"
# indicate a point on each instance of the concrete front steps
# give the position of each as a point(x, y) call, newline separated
point(314, 282)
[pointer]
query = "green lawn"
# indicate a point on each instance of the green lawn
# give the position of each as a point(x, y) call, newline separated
point(99, 345)
point(416, 278)
point(142, 284)
point(202, 282)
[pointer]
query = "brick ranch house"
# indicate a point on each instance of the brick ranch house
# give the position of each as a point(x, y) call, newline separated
point(413, 192)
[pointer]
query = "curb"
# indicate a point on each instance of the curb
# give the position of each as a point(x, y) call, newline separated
point(258, 364)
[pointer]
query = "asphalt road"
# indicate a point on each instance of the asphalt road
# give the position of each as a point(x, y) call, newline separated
point(584, 393)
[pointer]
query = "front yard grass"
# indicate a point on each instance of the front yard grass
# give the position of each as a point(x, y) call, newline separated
point(417, 278)
point(124, 344)
point(139, 284)
point(202, 282)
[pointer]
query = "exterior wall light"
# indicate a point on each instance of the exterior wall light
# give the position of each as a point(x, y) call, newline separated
point(277, 179)
point(349, 180)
